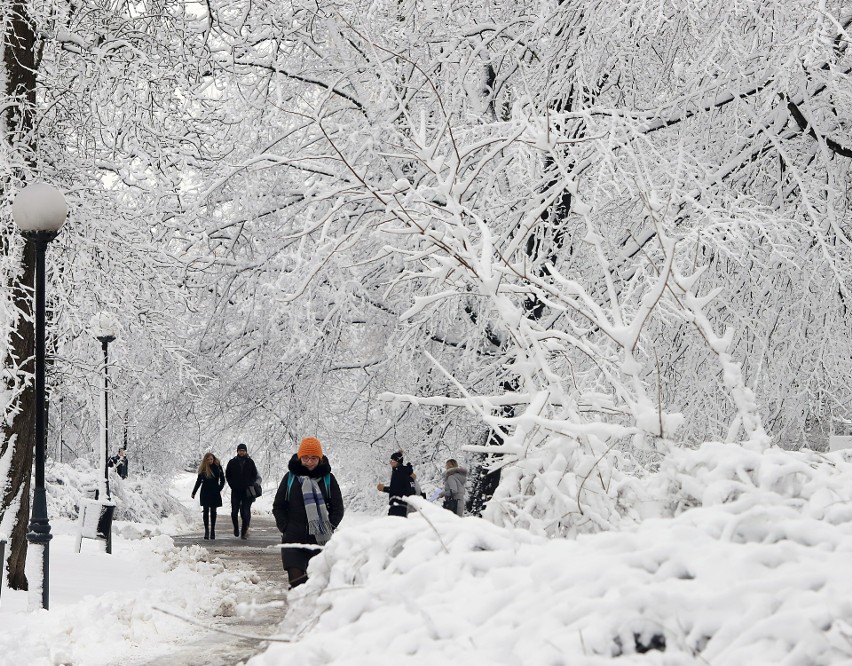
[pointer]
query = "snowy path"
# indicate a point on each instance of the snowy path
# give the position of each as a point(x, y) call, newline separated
point(216, 648)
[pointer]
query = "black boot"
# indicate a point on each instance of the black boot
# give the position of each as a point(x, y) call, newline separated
point(206, 525)
point(212, 524)
point(236, 526)
point(296, 577)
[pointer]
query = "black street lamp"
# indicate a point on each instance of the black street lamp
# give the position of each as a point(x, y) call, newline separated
point(105, 329)
point(39, 211)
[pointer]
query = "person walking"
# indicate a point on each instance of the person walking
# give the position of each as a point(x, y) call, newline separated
point(119, 461)
point(211, 480)
point(308, 507)
point(455, 478)
point(401, 485)
point(241, 473)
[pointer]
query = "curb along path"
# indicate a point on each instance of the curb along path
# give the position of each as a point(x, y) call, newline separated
point(216, 648)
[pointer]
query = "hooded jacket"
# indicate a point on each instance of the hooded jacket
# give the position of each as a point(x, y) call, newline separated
point(401, 483)
point(454, 481)
point(288, 507)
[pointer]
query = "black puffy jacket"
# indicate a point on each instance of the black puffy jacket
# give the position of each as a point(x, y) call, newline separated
point(288, 507)
point(401, 483)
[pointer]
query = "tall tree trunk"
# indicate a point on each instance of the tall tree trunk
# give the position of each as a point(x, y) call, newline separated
point(19, 59)
point(21, 433)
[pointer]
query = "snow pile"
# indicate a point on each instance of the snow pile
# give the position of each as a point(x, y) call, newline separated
point(562, 488)
point(814, 484)
point(747, 564)
point(104, 607)
point(140, 499)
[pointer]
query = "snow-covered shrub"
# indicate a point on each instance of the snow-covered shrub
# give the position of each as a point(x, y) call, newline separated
point(806, 483)
point(755, 572)
point(559, 489)
point(142, 499)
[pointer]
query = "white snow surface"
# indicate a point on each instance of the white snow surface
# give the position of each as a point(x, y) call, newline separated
point(740, 558)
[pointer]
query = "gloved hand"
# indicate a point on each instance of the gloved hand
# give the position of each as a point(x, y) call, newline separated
point(193, 495)
point(381, 487)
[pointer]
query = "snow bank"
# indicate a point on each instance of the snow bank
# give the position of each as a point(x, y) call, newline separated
point(103, 607)
point(138, 499)
point(745, 563)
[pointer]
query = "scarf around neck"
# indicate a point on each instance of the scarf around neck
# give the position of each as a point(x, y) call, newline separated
point(318, 524)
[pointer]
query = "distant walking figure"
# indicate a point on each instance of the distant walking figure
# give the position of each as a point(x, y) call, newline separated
point(241, 473)
point(211, 480)
point(308, 507)
point(401, 485)
point(453, 492)
point(119, 461)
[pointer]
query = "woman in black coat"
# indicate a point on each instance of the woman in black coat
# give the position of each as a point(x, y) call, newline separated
point(401, 485)
point(308, 507)
point(211, 480)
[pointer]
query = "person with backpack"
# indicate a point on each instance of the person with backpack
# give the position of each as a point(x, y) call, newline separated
point(308, 507)
point(211, 480)
point(401, 485)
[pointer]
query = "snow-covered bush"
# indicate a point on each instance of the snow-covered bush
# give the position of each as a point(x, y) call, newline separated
point(751, 483)
point(742, 560)
point(145, 499)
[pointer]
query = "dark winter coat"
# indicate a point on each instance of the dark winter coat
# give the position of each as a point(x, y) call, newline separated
point(211, 487)
point(240, 473)
point(401, 485)
point(120, 464)
point(288, 507)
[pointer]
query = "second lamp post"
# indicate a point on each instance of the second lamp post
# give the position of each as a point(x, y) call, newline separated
point(105, 329)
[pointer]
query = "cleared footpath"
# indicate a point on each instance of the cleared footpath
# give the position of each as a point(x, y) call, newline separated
point(257, 552)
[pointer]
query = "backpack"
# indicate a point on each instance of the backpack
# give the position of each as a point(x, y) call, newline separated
point(326, 478)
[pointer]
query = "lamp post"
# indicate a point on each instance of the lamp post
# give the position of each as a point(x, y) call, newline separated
point(39, 211)
point(105, 329)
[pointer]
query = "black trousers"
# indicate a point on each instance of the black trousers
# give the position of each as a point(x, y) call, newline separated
point(400, 510)
point(240, 506)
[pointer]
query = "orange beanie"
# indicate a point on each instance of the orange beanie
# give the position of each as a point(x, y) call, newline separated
point(310, 446)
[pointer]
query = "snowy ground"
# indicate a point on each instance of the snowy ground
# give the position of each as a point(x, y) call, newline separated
point(104, 608)
point(744, 564)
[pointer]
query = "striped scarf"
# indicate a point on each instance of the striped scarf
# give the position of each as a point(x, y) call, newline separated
point(318, 524)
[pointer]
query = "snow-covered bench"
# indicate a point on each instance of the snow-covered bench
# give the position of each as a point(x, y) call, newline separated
point(95, 522)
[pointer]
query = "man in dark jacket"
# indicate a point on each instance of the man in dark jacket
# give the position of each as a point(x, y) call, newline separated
point(401, 485)
point(240, 474)
point(119, 462)
point(308, 507)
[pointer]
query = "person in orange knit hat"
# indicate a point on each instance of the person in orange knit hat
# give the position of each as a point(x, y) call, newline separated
point(308, 507)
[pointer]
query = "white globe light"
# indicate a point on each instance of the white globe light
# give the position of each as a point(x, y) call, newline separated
point(39, 207)
point(104, 325)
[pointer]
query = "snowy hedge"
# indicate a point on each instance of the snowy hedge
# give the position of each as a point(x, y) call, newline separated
point(143, 499)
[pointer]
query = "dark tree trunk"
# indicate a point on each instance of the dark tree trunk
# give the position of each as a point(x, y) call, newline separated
point(485, 477)
point(19, 60)
point(21, 433)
